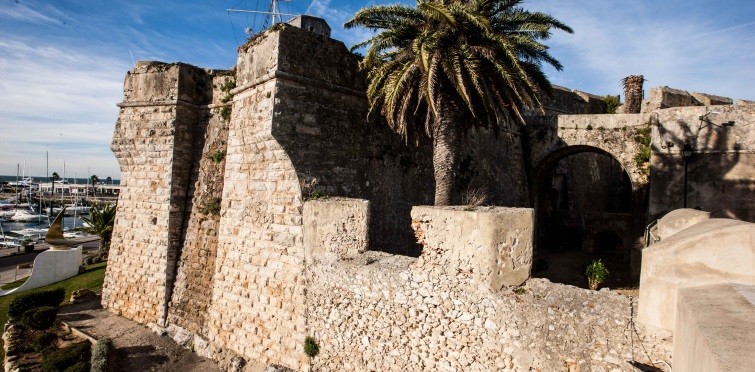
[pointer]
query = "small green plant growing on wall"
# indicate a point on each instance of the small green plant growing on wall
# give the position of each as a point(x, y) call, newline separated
point(212, 207)
point(217, 156)
point(225, 111)
point(311, 349)
point(596, 273)
point(642, 158)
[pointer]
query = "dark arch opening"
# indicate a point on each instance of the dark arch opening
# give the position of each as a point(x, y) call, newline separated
point(607, 243)
point(583, 204)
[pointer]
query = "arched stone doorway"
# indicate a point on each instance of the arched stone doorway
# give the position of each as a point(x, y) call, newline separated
point(584, 204)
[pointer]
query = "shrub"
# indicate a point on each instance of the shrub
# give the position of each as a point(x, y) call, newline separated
point(43, 341)
point(40, 318)
point(62, 359)
point(101, 354)
point(596, 273)
point(612, 103)
point(20, 305)
point(311, 348)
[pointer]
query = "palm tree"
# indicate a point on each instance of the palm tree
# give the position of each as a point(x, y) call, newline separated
point(94, 180)
point(100, 222)
point(446, 66)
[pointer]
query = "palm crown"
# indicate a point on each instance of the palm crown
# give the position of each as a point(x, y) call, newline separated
point(486, 54)
point(449, 65)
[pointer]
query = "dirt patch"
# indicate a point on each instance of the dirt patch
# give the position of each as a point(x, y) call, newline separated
point(136, 347)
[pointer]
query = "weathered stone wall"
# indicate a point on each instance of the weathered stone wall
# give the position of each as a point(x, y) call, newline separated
point(192, 291)
point(721, 173)
point(320, 113)
point(549, 138)
point(566, 101)
point(376, 312)
point(153, 142)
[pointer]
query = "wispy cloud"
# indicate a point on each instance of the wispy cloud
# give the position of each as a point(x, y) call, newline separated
point(52, 97)
point(336, 16)
point(674, 46)
point(20, 12)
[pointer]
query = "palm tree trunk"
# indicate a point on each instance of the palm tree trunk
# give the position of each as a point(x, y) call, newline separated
point(445, 152)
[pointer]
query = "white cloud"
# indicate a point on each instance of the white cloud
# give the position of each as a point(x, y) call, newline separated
point(21, 12)
point(679, 46)
point(57, 100)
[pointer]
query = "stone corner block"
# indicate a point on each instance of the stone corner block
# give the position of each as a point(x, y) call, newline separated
point(336, 225)
point(493, 245)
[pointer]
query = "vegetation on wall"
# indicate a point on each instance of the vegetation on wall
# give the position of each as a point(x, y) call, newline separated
point(225, 111)
point(217, 156)
point(212, 207)
point(642, 158)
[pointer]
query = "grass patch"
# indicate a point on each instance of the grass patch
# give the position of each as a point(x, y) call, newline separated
point(92, 279)
point(15, 284)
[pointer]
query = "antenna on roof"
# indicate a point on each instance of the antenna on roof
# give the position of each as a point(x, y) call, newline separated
point(274, 13)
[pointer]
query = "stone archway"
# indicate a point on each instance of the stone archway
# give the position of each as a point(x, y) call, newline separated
point(622, 137)
point(580, 192)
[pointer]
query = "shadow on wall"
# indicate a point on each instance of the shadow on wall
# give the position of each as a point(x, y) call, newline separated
point(718, 167)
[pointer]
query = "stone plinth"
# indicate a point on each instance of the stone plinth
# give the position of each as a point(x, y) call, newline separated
point(715, 328)
point(712, 251)
point(490, 244)
point(336, 226)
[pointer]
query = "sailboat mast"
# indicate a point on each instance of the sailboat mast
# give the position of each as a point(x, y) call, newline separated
point(18, 192)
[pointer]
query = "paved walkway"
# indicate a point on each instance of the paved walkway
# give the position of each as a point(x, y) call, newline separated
point(137, 348)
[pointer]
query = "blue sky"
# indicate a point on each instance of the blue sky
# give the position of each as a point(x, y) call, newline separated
point(62, 63)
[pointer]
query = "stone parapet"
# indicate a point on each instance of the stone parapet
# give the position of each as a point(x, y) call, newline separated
point(489, 244)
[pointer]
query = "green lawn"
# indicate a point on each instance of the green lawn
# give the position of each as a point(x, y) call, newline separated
point(15, 284)
point(92, 279)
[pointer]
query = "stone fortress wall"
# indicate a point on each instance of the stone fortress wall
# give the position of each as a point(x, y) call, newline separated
point(250, 279)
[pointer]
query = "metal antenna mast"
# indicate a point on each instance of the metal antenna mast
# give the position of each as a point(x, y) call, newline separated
point(274, 13)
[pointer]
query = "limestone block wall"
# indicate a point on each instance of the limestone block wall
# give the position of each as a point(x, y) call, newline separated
point(153, 144)
point(192, 291)
point(721, 173)
point(376, 312)
point(255, 309)
point(491, 245)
